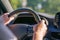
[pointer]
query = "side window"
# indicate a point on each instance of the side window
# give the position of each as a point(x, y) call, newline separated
point(15, 3)
point(2, 8)
point(1, 11)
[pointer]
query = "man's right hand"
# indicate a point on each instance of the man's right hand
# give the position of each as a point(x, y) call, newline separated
point(40, 31)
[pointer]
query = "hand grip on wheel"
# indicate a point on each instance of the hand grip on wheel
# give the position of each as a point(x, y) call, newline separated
point(46, 22)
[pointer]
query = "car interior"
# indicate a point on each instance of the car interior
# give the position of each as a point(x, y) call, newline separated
point(26, 18)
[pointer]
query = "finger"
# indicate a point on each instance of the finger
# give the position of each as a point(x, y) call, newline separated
point(5, 15)
point(41, 23)
point(45, 21)
point(11, 18)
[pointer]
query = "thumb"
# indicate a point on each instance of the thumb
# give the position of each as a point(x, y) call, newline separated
point(44, 20)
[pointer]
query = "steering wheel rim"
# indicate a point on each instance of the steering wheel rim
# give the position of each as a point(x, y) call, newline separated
point(36, 16)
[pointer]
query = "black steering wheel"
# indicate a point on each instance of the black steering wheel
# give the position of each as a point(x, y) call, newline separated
point(36, 16)
point(21, 30)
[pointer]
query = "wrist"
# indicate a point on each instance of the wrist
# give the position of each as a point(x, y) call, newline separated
point(37, 36)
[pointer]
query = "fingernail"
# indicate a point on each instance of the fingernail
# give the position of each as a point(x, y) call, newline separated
point(43, 21)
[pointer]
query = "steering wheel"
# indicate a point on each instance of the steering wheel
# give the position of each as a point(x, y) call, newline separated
point(21, 30)
point(36, 16)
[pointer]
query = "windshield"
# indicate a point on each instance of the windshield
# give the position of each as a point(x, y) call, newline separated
point(50, 7)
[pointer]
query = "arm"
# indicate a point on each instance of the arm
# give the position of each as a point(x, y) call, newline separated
point(5, 32)
point(40, 31)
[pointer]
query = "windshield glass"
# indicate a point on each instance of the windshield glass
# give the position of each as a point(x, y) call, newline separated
point(50, 7)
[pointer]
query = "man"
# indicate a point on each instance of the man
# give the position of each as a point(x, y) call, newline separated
point(39, 30)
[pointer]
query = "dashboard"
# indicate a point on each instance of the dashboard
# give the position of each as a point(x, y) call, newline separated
point(53, 32)
point(25, 20)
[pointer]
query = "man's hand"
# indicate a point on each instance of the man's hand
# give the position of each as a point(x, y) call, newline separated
point(40, 31)
point(7, 19)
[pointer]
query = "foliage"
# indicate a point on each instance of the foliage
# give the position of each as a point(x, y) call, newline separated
point(48, 6)
point(15, 3)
